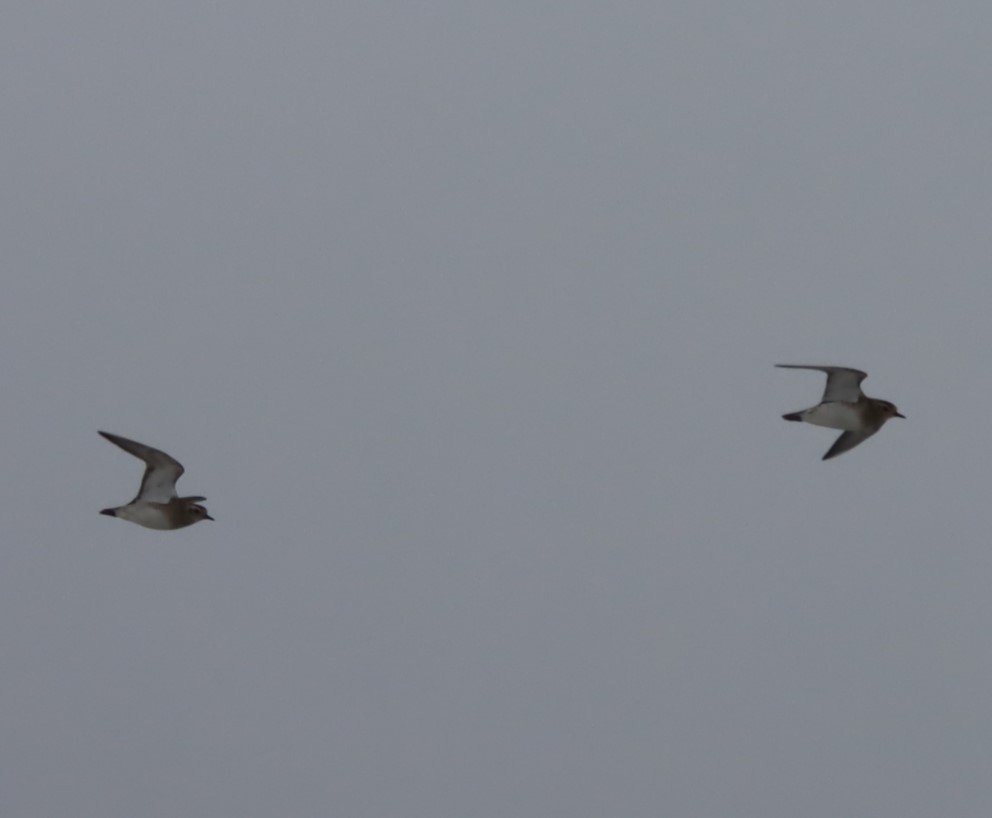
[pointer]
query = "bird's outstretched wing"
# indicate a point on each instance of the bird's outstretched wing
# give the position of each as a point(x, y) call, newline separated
point(158, 485)
point(843, 383)
point(846, 442)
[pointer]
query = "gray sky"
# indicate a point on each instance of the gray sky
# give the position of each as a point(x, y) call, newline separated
point(463, 317)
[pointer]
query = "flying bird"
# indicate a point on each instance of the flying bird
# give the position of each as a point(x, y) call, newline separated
point(156, 504)
point(845, 406)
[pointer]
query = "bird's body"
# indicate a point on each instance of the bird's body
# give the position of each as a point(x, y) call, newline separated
point(156, 504)
point(162, 516)
point(833, 415)
point(844, 406)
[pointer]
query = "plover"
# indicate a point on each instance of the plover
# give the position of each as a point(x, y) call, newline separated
point(845, 406)
point(157, 505)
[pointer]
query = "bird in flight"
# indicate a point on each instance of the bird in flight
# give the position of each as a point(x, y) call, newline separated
point(156, 504)
point(845, 406)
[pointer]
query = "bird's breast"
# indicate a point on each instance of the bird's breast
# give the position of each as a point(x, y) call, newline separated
point(150, 515)
point(836, 415)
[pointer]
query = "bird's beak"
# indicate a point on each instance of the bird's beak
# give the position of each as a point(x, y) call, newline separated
point(900, 415)
point(208, 517)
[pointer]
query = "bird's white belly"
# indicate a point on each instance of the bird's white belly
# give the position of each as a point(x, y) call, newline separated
point(835, 415)
point(147, 514)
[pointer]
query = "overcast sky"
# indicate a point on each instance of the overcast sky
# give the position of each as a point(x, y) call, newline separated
point(463, 316)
